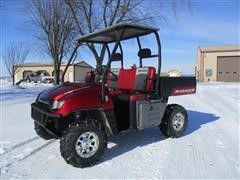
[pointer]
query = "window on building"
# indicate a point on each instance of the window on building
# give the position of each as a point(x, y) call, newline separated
point(208, 72)
point(26, 74)
point(43, 73)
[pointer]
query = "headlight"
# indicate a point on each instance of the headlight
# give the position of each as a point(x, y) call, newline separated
point(57, 104)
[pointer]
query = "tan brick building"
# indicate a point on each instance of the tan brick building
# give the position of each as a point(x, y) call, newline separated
point(75, 72)
point(218, 63)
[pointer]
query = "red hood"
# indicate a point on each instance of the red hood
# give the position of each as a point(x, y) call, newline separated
point(61, 91)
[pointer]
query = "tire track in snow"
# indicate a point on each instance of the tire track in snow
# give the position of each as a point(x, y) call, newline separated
point(12, 159)
point(19, 145)
point(199, 165)
point(218, 105)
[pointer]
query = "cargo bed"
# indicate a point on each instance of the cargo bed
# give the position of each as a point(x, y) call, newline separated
point(174, 86)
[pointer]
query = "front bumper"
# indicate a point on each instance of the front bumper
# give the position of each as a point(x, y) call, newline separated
point(41, 116)
point(53, 123)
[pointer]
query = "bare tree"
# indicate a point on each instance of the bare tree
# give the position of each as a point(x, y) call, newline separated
point(91, 15)
point(58, 21)
point(53, 25)
point(14, 56)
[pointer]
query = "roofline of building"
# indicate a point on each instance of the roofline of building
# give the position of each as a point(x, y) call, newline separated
point(34, 65)
point(46, 65)
point(174, 70)
point(220, 48)
point(83, 62)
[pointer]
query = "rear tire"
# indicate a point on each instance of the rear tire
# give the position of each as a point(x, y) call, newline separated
point(83, 143)
point(42, 132)
point(174, 122)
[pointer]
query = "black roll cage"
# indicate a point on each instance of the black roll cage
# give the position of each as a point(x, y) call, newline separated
point(118, 44)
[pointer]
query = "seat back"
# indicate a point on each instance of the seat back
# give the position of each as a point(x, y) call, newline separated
point(141, 79)
point(126, 79)
point(144, 78)
point(136, 79)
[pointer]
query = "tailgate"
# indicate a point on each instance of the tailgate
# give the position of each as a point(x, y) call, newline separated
point(175, 86)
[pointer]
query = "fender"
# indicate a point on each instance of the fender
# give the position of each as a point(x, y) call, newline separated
point(105, 118)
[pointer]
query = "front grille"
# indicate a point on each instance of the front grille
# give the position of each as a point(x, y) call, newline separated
point(38, 116)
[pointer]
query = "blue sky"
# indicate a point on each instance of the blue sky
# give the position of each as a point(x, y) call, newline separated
point(210, 23)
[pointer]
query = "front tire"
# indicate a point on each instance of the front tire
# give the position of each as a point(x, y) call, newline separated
point(174, 122)
point(42, 132)
point(83, 143)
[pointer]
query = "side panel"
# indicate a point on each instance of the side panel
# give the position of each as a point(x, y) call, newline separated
point(149, 113)
point(175, 86)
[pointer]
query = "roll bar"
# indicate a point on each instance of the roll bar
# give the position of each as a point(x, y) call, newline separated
point(118, 33)
point(108, 64)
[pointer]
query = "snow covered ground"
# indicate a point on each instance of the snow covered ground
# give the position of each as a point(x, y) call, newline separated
point(209, 148)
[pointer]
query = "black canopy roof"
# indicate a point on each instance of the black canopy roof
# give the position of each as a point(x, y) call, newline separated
point(112, 33)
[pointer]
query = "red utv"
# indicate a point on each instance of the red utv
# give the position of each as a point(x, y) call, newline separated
point(82, 115)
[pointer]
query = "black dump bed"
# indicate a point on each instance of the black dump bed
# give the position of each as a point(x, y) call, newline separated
point(175, 86)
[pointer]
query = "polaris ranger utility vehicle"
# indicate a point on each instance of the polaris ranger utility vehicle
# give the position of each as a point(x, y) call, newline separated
point(82, 115)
